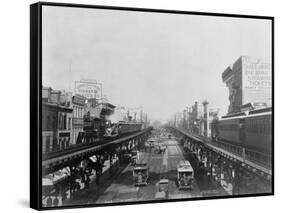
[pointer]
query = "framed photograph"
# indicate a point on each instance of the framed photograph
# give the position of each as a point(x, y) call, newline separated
point(135, 106)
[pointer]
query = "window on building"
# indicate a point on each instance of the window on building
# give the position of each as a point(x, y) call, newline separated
point(69, 123)
point(60, 121)
point(64, 121)
point(54, 123)
point(48, 144)
point(61, 143)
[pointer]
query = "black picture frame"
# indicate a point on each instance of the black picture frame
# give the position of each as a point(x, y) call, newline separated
point(36, 101)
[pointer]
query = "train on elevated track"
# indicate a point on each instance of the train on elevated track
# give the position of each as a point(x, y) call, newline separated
point(102, 129)
point(247, 134)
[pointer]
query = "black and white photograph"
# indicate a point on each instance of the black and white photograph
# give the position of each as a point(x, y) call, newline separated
point(141, 105)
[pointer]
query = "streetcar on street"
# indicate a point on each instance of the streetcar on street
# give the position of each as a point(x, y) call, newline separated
point(185, 175)
point(140, 175)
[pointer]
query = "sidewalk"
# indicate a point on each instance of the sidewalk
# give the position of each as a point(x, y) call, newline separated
point(91, 194)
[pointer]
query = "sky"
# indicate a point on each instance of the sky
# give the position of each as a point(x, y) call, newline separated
point(164, 62)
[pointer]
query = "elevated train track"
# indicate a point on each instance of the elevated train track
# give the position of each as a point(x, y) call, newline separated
point(57, 160)
point(252, 167)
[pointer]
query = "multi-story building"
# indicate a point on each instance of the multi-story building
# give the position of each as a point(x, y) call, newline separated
point(248, 81)
point(56, 127)
point(194, 115)
point(49, 127)
point(197, 119)
point(78, 105)
point(64, 127)
point(56, 121)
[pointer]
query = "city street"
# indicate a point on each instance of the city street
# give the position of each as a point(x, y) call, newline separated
point(119, 186)
point(160, 166)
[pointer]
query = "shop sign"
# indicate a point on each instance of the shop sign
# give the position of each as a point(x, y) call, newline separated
point(79, 100)
point(88, 89)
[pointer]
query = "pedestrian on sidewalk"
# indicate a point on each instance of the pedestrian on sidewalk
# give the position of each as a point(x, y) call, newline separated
point(87, 182)
point(56, 201)
point(49, 202)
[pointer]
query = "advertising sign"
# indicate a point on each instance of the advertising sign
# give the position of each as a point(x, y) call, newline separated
point(78, 99)
point(88, 89)
point(256, 82)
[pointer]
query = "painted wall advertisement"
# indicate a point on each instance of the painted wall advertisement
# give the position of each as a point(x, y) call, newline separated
point(88, 89)
point(257, 82)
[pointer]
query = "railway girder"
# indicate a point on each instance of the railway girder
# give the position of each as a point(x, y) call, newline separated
point(219, 164)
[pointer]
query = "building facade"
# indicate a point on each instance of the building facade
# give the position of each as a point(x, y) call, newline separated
point(56, 127)
point(64, 127)
point(196, 119)
point(49, 127)
point(56, 121)
point(248, 81)
point(78, 105)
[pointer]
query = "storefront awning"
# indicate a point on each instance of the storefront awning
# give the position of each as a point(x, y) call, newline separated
point(54, 178)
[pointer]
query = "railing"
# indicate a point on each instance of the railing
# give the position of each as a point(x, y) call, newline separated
point(264, 162)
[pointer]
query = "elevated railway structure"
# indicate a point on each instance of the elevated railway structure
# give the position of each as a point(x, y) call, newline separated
point(224, 166)
point(101, 149)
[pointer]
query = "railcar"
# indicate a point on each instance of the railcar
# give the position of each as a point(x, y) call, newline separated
point(102, 128)
point(230, 128)
point(258, 138)
point(95, 126)
point(125, 128)
point(258, 131)
point(122, 128)
point(246, 134)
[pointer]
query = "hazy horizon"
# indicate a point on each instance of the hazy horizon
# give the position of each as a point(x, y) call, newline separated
point(163, 62)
